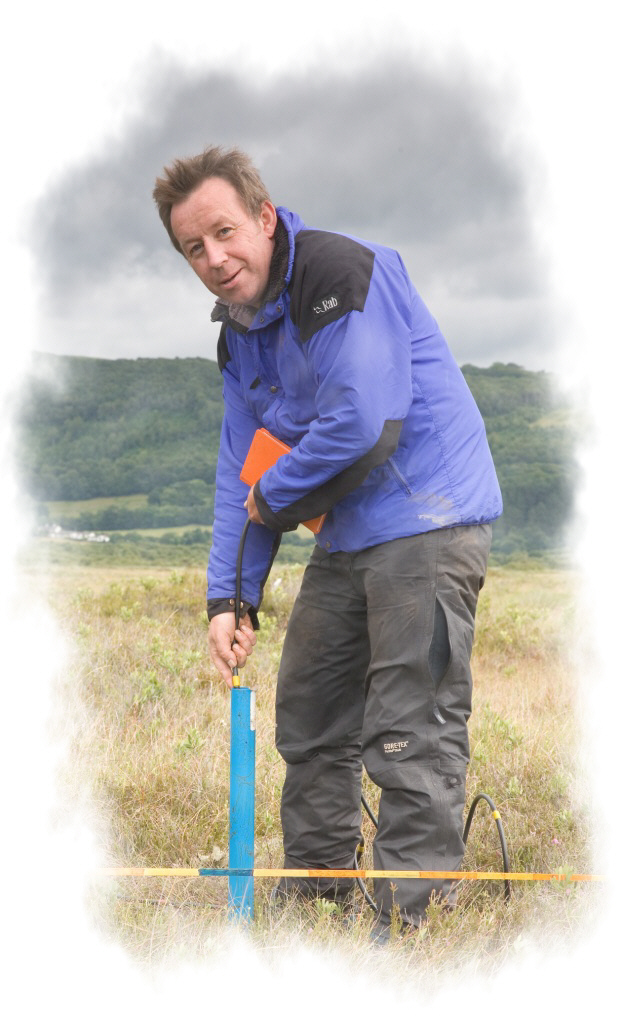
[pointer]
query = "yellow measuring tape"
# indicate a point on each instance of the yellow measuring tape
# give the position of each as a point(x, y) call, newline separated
point(496, 876)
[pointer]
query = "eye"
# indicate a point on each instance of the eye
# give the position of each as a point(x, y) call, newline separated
point(195, 250)
point(224, 232)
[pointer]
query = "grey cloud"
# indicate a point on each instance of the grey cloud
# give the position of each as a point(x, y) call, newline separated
point(412, 157)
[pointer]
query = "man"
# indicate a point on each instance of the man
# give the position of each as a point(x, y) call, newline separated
point(326, 343)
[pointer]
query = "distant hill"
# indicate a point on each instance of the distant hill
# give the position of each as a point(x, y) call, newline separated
point(99, 428)
point(531, 436)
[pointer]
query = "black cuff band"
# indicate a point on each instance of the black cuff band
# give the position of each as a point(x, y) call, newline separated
point(218, 605)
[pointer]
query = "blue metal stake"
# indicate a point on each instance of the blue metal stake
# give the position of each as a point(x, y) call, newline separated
point(242, 777)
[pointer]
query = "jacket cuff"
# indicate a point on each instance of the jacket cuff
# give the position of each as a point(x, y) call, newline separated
point(217, 605)
point(268, 517)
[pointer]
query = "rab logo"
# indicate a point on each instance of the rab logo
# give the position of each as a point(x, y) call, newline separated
point(325, 305)
point(394, 748)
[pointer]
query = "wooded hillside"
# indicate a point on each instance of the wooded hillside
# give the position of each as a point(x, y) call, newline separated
point(97, 428)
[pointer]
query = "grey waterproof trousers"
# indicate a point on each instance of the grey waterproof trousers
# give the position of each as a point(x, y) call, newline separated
point(375, 671)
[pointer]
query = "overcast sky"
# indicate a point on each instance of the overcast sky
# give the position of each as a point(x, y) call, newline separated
point(487, 148)
point(426, 158)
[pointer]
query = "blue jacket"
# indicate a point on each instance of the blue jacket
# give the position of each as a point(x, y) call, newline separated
point(345, 364)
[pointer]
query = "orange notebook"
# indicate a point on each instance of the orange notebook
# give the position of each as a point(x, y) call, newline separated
point(265, 450)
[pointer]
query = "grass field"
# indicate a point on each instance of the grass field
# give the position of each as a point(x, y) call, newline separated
point(74, 508)
point(144, 548)
point(149, 725)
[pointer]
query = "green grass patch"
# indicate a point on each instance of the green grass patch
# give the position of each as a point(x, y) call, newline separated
point(60, 509)
point(159, 531)
point(50, 552)
point(163, 546)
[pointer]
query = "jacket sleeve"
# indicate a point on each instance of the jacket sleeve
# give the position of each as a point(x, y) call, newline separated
point(362, 365)
point(237, 431)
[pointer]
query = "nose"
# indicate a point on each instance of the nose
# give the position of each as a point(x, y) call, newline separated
point(215, 253)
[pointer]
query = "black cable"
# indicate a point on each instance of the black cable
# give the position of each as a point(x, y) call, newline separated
point(359, 852)
point(465, 835)
point(368, 810)
point(502, 838)
point(361, 885)
point(237, 596)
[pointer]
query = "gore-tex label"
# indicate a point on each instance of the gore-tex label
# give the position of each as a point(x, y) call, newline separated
point(322, 306)
point(394, 748)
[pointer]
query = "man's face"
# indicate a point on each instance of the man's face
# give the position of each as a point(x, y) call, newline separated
point(229, 250)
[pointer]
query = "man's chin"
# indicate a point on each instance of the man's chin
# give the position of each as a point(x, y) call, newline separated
point(240, 292)
point(239, 297)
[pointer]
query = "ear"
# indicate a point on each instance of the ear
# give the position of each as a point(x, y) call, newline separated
point(268, 218)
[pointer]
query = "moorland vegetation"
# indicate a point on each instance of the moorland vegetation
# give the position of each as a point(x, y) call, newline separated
point(129, 447)
point(146, 722)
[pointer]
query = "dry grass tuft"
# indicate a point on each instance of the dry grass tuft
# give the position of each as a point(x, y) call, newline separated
point(148, 721)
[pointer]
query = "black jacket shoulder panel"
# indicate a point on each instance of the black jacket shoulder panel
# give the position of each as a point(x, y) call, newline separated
point(223, 352)
point(331, 277)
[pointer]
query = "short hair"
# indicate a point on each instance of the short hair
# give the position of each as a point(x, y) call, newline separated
point(183, 176)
